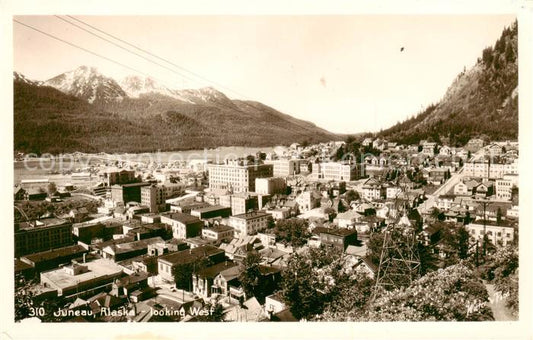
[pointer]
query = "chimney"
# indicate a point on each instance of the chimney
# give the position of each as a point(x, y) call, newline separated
point(84, 257)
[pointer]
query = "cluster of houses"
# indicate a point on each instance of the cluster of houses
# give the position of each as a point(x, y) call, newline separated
point(171, 246)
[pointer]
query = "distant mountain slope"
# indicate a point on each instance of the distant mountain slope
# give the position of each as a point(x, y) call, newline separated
point(83, 110)
point(482, 101)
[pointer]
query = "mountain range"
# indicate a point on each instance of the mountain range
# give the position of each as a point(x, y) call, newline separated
point(481, 102)
point(84, 110)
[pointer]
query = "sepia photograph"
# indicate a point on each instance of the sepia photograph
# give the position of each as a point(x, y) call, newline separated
point(290, 168)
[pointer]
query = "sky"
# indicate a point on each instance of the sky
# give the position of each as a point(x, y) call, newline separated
point(345, 73)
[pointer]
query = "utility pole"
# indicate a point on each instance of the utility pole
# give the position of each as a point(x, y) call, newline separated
point(485, 203)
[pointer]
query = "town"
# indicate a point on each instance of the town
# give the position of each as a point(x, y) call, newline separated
point(303, 232)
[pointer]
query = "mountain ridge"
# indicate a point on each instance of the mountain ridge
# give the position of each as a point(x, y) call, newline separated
point(481, 101)
point(135, 121)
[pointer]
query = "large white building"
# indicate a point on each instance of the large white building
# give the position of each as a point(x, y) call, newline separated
point(285, 167)
point(249, 223)
point(237, 177)
point(270, 186)
point(496, 234)
point(336, 171)
point(486, 169)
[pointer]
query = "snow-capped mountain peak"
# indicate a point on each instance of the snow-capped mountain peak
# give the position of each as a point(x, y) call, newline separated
point(87, 83)
point(22, 78)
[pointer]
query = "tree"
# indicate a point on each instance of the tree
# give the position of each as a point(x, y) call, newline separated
point(499, 216)
point(250, 275)
point(293, 231)
point(183, 273)
point(311, 280)
point(331, 213)
point(351, 196)
point(451, 294)
point(26, 305)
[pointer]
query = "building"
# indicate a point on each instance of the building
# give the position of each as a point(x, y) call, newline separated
point(270, 186)
point(484, 168)
point(474, 144)
point(122, 251)
point(504, 189)
point(337, 171)
point(211, 212)
point(41, 235)
point(219, 233)
point(240, 203)
point(112, 176)
point(227, 283)
point(76, 279)
point(339, 238)
point(53, 258)
point(153, 196)
point(237, 177)
point(285, 167)
point(183, 225)
point(347, 219)
point(167, 264)
point(496, 234)
point(308, 200)
point(204, 280)
point(428, 148)
point(373, 189)
point(250, 223)
point(125, 193)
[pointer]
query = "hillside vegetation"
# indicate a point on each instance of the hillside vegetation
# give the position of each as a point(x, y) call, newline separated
point(481, 102)
point(47, 120)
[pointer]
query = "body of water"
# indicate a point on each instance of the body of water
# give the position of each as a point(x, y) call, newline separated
point(59, 168)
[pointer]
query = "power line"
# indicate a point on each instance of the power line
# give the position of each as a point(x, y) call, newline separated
point(158, 57)
point(111, 60)
point(79, 47)
point(123, 48)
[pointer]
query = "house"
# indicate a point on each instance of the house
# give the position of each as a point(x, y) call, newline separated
point(485, 189)
point(218, 233)
point(167, 264)
point(461, 189)
point(437, 176)
point(34, 194)
point(227, 283)
point(239, 247)
point(445, 202)
point(339, 238)
point(183, 225)
point(204, 280)
point(347, 219)
point(373, 189)
point(366, 266)
point(250, 223)
point(124, 286)
point(308, 200)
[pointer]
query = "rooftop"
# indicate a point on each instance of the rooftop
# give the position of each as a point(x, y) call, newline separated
point(210, 208)
point(56, 253)
point(251, 215)
point(182, 218)
point(212, 271)
point(96, 269)
point(190, 255)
